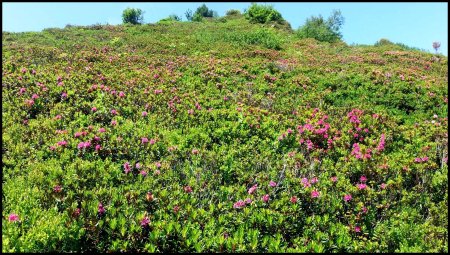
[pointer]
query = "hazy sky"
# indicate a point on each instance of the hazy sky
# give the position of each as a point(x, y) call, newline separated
point(414, 24)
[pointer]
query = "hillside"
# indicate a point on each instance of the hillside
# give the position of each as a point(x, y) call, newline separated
point(220, 136)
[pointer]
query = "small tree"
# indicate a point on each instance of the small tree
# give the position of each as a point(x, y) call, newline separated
point(189, 15)
point(133, 16)
point(321, 29)
point(233, 12)
point(204, 11)
point(436, 46)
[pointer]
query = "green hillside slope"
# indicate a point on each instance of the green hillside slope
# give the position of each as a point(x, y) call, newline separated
point(220, 136)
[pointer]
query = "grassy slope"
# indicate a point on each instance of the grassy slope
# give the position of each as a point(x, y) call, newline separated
point(266, 74)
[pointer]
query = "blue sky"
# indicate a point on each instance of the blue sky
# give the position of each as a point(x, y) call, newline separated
point(414, 24)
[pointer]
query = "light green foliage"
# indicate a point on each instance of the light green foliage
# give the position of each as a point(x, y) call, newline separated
point(321, 29)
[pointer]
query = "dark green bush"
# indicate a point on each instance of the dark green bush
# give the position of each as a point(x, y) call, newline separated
point(132, 16)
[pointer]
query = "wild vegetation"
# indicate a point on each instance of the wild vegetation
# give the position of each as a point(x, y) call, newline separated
point(220, 136)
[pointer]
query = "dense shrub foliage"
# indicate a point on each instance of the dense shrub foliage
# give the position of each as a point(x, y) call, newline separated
point(321, 29)
point(257, 13)
point(220, 137)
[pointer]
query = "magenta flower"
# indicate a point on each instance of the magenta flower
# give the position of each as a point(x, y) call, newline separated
point(364, 209)
point(87, 144)
point(363, 178)
point(314, 180)
point(272, 184)
point(265, 198)
point(77, 134)
point(425, 159)
point(294, 199)
point(127, 167)
point(98, 147)
point(347, 197)
point(80, 145)
point(13, 217)
point(143, 173)
point(417, 160)
point(113, 112)
point(101, 130)
point(121, 94)
point(334, 178)
point(62, 143)
point(113, 122)
point(383, 186)
point(380, 146)
point(306, 183)
point(158, 165)
point(315, 193)
point(190, 111)
point(101, 210)
point(52, 148)
point(248, 201)
point(34, 96)
point(152, 141)
point(145, 222)
point(138, 166)
point(57, 188)
point(188, 189)
point(144, 140)
point(361, 186)
point(239, 204)
point(77, 212)
point(144, 113)
point(22, 90)
point(29, 102)
point(64, 95)
point(252, 189)
point(357, 229)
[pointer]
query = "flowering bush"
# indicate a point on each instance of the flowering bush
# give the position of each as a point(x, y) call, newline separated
point(163, 144)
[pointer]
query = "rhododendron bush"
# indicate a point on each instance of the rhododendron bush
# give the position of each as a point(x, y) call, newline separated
point(194, 143)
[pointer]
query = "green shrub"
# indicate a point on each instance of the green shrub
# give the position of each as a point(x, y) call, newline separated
point(132, 16)
point(233, 12)
point(321, 29)
point(262, 14)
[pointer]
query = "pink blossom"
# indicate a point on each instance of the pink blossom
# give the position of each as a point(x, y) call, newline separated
point(334, 178)
point(265, 198)
point(145, 222)
point(190, 111)
point(22, 90)
point(383, 185)
point(52, 148)
point(425, 159)
point(113, 112)
point(361, 186)
point(94, 109)
point(101, 210)
point(347, 197)
point(194, 151)
point(64, 95)
point(144, 113)
point(157, 172)
point(188, 189)
point(248, 201)
point(272, 184)
point(158, 165)
point(381, 144)
point(357, 229)
point(80, 145)
point(127, 167)
point(34, 96)
point(13, 217)
point(101, 130)
point(57, 188)
point(293, 199)
point(121, 94)
point(417, 160)
point(239, 204)
point(364, 209)
point(143, 173)
point(138, 165)
point(144, 140)
point(315, 193)
point(289, 131)
point(252, 189)
point(62, 143)
point(113, 122)
point(225, 98)
point(98, 147)
point(152, 141)
point(363, 178)
point(314, 180)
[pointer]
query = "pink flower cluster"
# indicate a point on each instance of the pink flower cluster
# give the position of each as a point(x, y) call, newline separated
point(421, 160)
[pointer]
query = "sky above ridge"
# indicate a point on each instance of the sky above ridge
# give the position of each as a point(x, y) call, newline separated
point(414, 24)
